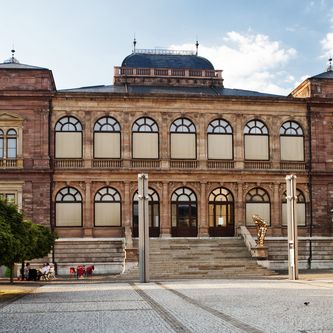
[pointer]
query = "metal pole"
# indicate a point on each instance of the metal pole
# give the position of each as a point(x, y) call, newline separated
point(292, 227)
point(143, 227)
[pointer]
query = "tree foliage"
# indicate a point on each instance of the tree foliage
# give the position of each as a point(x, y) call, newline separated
point(21, 240)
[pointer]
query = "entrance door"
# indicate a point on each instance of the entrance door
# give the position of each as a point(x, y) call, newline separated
point(184, 213)
point(153, 214)
point(221, 216)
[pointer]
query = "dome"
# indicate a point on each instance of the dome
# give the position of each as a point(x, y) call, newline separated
point(166, 59)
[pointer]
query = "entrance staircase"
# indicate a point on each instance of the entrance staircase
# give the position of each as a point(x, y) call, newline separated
point(107, 255)
point(182, 258)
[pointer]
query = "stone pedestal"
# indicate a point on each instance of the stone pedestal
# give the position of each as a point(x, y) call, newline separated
point(259, 252)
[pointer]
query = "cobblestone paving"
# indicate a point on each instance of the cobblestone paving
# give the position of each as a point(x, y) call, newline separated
point(250, 306)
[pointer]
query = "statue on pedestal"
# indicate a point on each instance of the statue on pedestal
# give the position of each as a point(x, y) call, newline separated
point(261, 229)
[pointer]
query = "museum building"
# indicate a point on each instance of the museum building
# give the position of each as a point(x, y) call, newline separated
point(214, 156)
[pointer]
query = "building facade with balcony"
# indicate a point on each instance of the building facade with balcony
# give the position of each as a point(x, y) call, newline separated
point(215, 156)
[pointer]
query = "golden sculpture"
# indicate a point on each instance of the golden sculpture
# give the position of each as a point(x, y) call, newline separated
point(261, 229)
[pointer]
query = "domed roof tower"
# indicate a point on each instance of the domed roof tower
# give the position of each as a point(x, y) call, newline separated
point(160, 67)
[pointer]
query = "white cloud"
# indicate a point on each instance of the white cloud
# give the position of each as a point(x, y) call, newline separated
point(249, 61)
point(327, 45)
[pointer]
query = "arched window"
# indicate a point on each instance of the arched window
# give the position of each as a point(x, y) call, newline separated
point(107, 208)
point(183, 139)
point(184, 213)
point(68, 138)
point(220, 145)
point(8, 144)
point(221, 213)
point(256, 141)
point(11, 144)
point(300, 208)
point(291, 141)
point(154, 214)
point(68, 208)
point(145, 139)
point(107, 138)
point(257, 203)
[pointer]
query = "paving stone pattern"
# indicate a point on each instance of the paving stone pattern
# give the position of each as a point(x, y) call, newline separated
point(251, 306)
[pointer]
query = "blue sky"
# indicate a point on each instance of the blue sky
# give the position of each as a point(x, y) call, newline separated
point(262, 45)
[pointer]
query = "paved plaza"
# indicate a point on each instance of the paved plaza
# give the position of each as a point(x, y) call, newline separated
point(173, 306)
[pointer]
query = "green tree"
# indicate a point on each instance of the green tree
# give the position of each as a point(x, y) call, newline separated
point(21, 240)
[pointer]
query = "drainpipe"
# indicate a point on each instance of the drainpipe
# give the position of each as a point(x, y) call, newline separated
point(309, 122)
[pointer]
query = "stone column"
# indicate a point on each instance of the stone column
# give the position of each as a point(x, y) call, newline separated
point(239, 207)
point(238, 144)
point(276, 211)
point(164, 142)
point(127, 216)
point(87, 212)
point(202, 146)
point(87, 141)
point(203, 221)
point(126, 142)
point(165, 226)
point(274, 148)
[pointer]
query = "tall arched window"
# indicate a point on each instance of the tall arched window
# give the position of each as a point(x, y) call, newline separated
point(107, 138)
point(256, 141)
point(11, 143)
point(221, 213)
point(145, 139)
point(300, 208)
point(107, 208)
point(68, 138)
point(154, 214)
point(258, 203)
point(8, 144)
point(184, 213)
point(220, 145)
point(68, 208)
point(291, 142)
point(183, 139)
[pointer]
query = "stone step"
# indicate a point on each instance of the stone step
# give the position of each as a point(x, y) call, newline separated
point(108, 256)
point(188, 258)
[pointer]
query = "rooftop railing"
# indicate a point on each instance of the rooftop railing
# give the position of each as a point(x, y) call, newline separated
point(167, 72)
point(164, 51)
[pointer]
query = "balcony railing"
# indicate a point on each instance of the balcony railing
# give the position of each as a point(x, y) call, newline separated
point(70, 163)
point(107, 164)
point(145, 164)
point(220, 164)
point(257, 165)
point(292, 165)
point(73, 163)
point(8, 163)
point(183, 164)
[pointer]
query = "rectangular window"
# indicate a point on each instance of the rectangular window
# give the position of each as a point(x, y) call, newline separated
point(68, 145)
point(8, 197)
point(107, 214)
point(107, 145)
point(68, 215)
point(292, 148)
point(145, 145)
point(220, 147)
point(261, 209)
point(183, 146)
point(300, 214)
point(1, 148)
point(11, 148)
point(256, 147)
